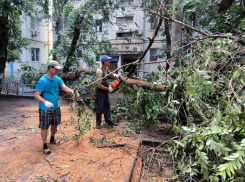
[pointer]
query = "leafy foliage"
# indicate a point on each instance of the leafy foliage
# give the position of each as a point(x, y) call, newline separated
point(145, 106)
point(210, 84)
point(83, 119)
point(73, 41)
point(11, 36)
point(31, 75)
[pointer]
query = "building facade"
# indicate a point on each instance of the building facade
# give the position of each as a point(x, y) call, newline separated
point(40, 36)
point(128, 33)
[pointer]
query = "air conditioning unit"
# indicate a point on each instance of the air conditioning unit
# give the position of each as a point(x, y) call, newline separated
point(135, 49)
point(138, 32)
point(33, 33)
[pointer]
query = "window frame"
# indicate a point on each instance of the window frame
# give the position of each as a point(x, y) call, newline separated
point(126, 19)
point(154, 55)
point(76, 0)
point(124, 33)
point(154, 23)
point(34, 23)
point(63, 23)
point(35, 53)
point(125, 2)
point(100, 25)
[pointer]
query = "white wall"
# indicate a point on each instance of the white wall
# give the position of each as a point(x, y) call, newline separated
point(40, 40)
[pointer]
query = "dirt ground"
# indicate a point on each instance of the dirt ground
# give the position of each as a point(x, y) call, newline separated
point(22, 159)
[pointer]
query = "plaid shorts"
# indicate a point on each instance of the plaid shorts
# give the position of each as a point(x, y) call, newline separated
point(49, 117)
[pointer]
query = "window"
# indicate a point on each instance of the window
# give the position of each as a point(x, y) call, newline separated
point(125, 35)
point(125, 2)
point(153, 54)
point(34, 24)
point(98, 24)
point(154, 22)
point(63, 23)
point(125, 19)
point(35, 54)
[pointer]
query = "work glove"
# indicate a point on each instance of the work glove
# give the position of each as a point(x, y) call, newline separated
point(75, 96)
point(48, 104)
point(76, 93)
point(110, 89)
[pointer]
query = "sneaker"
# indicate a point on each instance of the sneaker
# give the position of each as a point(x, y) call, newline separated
point(47, 151)
point(55, 142)
point(112, 124)
point(98, 127)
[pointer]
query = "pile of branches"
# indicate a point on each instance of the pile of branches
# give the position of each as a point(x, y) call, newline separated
point(208, 94)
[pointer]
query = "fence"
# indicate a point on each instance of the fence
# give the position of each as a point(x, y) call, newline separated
point(17, 87)
point(28, 89)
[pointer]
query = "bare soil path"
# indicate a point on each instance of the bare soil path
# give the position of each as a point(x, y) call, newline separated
point(21, 157)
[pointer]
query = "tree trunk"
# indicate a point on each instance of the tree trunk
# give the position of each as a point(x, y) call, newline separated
point(57, 42)
point(224, 5)
point(176, 36)
point(58, 10)
point(4, 31)
point(128, 82)
point(168, 36)
point(71, 54)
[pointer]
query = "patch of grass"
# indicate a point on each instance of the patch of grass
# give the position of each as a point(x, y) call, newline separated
point(19, 129)
point(65, 138)
point(133, 127)
point(109, 128)
point(32, 129)
point(71, 153)
point(43, 179)
point(5, 163)
point(97, 142)
point(16, 147)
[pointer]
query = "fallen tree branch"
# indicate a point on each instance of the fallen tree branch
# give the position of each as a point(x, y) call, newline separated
point(112, 145)
point(51, 165)
point(10, 138)
point(127, 81)
point(164, 107)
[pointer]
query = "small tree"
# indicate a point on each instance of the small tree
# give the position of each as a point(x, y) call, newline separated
point(11, 40)
point(72, 42)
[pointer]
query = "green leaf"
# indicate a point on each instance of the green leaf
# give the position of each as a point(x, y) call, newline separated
point(237, 74)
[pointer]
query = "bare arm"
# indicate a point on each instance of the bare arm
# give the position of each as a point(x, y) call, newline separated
point(38, 96)
point(112, 74)
point(103, 87)
point(66, 89)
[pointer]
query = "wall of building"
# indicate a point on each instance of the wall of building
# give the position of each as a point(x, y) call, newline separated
point(126, 51)
point(39, 40)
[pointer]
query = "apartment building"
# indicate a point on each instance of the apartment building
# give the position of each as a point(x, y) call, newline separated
point(40, 36)
point(128, 34)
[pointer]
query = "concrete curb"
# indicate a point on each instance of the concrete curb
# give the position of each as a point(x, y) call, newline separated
point(129, 175)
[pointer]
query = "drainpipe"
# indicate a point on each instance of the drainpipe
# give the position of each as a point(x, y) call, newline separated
point(144, 39)
point(12, 68)
point(137, 67)
point(50, 33)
